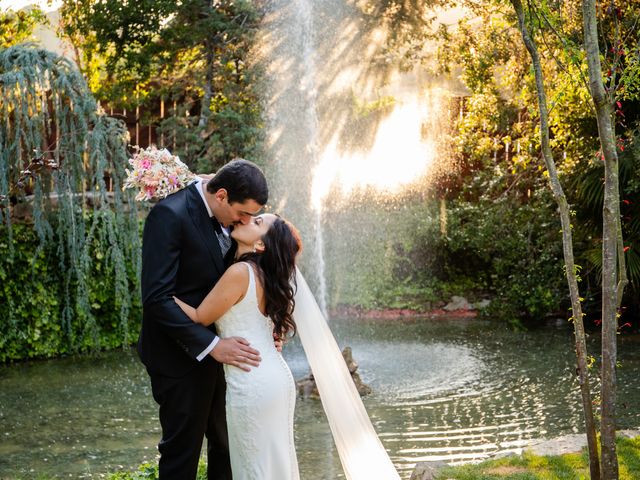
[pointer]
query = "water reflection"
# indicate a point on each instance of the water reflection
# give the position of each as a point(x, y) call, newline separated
point(454, 390)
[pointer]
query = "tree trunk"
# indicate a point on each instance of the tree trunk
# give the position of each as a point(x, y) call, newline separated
point(604, 113)
point(567, 243)
point(209, 45)
point(205, 109)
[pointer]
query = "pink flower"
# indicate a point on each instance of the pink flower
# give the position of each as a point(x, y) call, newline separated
point(156, 173)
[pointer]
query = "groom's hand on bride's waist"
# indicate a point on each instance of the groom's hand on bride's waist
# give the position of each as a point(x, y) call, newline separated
point(236, 351)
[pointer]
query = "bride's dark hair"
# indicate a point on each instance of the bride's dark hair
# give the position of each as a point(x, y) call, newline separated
point(277, 271)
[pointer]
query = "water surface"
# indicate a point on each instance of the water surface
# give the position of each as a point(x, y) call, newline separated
point(452, 390)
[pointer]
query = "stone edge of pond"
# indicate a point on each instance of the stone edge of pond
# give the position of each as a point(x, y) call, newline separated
point(400, 313)
point(457, 307)
point(566, 444)
point(572, 443)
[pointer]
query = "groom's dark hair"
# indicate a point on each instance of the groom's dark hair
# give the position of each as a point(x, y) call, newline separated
point(243, 180)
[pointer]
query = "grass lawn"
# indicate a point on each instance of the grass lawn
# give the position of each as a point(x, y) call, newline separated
point(574, 466)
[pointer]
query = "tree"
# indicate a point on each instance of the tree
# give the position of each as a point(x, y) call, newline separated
point(48, 116)
point(604, 102)
point(567, 241)
point(563, 43)
point(191, 55)
point(17, 27)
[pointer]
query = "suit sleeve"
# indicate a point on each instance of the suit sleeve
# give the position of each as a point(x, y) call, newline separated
point(161, 248)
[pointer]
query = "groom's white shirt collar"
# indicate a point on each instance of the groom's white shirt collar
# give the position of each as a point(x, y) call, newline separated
point(200, 186)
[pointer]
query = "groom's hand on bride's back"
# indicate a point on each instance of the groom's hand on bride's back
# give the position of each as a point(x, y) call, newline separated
point(236, 351)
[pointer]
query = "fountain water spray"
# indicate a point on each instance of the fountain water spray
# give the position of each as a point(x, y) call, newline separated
point(309, 90)
point(340, 122)
point(288, 55)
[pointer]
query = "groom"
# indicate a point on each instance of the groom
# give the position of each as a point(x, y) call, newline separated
point(184, 245)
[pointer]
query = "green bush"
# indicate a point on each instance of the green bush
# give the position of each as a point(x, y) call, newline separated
point(515, 251)
point(506, 249)
point(32, 297)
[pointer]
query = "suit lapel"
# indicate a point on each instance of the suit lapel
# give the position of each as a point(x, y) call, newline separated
point(202, 222)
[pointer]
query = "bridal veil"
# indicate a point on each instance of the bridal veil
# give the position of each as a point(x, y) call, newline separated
point(361, 453)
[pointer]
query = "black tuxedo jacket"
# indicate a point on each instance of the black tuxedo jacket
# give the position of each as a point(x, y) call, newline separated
point(181, 256)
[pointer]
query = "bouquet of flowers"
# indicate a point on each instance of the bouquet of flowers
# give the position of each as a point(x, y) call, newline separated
point(156, 173)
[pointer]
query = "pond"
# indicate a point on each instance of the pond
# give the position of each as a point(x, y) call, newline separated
point(456, 390)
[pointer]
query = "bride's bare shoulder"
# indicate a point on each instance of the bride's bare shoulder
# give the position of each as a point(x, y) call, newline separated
point(237, 273)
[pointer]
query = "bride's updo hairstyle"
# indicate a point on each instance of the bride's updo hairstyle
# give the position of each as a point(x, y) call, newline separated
point(277, 270)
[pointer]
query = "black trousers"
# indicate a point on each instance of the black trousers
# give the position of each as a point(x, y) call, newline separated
point(192, 407)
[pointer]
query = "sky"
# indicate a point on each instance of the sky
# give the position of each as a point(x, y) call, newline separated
point(45, 5)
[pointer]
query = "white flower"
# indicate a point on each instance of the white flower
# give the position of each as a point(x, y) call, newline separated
point(156, 173)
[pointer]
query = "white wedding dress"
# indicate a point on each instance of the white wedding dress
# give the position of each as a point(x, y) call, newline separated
point(260, 403)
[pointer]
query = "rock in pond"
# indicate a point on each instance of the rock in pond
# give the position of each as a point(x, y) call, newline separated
point(427, 470)
point(307, 386)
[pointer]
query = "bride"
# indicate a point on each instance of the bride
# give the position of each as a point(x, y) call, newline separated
point(262, 293)
point(254, 300)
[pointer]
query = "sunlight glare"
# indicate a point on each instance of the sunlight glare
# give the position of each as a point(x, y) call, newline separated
point(399, 156)
point(16, 5)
